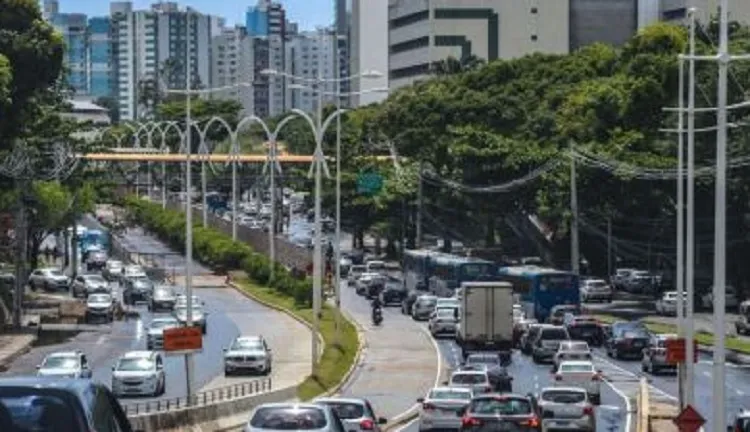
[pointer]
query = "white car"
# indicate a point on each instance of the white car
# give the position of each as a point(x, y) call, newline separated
point(580, 373)
point(134, 272)
point(112, 269)
point(566, 408)
point(449, 302)
point(667, 304)
point(155, 331)
point(139, 373)
point(572, 350)
point(248, 353)
point(596, 289)
point(731, 299)
point(198, 316)
point(100, 307)
point(70, 364)
point(49, 278)
point(476, 381)
point(441, 408)
point(181, 301)
point(443, 322)
point(375, 266)
point(355, 272)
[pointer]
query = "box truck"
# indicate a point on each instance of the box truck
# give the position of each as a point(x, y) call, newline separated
point(486, 318)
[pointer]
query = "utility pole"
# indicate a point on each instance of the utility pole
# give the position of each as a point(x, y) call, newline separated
point(689, 388)
point(609, 246)
point(574, 258)
point(20, 230)
point(420, 197)
point(680, 276)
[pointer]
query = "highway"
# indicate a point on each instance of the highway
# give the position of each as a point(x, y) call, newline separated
point(229, 315)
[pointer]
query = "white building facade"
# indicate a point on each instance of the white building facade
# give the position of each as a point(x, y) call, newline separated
point(368, 50)
point(312, 55)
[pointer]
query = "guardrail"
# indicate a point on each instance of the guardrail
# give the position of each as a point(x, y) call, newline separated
point(204, 398)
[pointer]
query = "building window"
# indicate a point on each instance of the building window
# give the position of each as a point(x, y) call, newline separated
point(410, 71)
point(533, 38)
point(674, 14)
point(534, 10)
point(409, 19)
point(410, 45)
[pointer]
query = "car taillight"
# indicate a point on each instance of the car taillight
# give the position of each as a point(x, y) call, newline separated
point(532, 422)
point(589, 411)
point(367, 424)
point(428, 406)
point(467, 421)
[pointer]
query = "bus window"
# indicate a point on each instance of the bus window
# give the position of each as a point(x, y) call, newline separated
point(477, 271)
point(557, 282)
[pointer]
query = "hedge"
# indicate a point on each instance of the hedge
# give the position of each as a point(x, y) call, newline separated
point(217, 250)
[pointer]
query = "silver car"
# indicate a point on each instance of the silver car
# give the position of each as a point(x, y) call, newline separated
point(443, 321)
point(198, 315)
point(547, 341)
point(478, 381)
point(248, 353)
point(294, 417)
point(356, 414)
point(139, 373)
point(112, 270)
point(163, 298)
point(48, 278)
point(566, 408)
point(100, 307)
point(70, 364)
point(155, 331)
point(85, 285)
point(423, 307)
point(441, 407)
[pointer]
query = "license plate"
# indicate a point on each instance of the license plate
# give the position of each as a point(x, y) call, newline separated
point(562, 423)
point(638, 344)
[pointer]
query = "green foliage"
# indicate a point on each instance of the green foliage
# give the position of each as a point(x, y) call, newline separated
point(218, 250)
point(35, 53)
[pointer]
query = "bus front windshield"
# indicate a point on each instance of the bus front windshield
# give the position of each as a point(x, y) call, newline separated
point(477, 271)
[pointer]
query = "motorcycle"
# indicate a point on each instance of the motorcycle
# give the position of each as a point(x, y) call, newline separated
point(377, 316)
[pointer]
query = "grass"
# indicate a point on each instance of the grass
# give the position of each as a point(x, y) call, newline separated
point(732, 342)
point(336, 360)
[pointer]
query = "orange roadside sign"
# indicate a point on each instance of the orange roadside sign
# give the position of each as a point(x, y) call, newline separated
point(183, 339)
point(676, 350)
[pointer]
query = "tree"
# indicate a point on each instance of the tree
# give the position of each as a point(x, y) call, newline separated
point(110, 104)
point(35, 53)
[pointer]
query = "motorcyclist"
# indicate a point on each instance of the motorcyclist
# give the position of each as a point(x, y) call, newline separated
point(377, 307)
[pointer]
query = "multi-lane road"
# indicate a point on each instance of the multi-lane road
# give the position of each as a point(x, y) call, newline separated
point(229, 314)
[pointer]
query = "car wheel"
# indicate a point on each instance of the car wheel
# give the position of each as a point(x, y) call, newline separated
point(227, 372)
point(269, 369)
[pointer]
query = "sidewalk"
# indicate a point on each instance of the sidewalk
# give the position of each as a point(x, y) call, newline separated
point(12, 346)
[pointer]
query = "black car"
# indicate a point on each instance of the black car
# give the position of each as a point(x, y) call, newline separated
point(393, 291)
point(501, 412)
point(137, 290)
point(494, 364)
point(60, 405)
point(627, 340)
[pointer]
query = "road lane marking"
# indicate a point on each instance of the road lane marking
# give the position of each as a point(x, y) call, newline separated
point(101, 339)
point(628, 406)
point(407, 425)
point(634, 375)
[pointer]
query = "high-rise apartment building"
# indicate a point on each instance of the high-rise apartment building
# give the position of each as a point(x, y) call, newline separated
point(152, 45)
point(101, 71)
point(311, 55)
point(266, 24)
point(233, 66)
point(342, 28)
point(368, 50)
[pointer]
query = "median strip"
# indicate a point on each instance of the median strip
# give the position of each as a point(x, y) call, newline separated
point(732, 343)
point(251, 274)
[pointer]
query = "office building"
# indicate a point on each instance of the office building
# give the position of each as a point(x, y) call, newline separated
point(50, 8)
point(311, 55)
point(342, 28)
point(151, 46)
point(101, 71)
point(368, 50)
point(233, 64)
point(266, 24)
point(74, 29)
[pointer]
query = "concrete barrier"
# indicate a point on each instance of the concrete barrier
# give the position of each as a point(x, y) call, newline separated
point(643, 404)
point(206, 414)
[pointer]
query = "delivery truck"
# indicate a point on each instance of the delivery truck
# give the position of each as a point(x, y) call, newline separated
point(485, 318)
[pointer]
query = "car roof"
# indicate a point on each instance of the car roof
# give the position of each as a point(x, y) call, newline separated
point(502, 396)
point(138, 354)
point(248, 338)
point(665, 336)
point(292, 405)
point(576, 362)
point(65, 354)
point(573, 343)
point(163, 319)
point(469, 372)
point(358, 401)
point(77, 386)
point(570, 389)
point(449, 388)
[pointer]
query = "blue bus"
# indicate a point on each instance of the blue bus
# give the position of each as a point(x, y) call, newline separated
point(539, 289)
point(448, 272)
point(416, 268)
point(92, 239)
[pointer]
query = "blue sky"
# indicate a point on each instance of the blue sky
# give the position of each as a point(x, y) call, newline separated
point(309, 13)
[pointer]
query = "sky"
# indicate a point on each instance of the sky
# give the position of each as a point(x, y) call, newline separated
point(308, 13)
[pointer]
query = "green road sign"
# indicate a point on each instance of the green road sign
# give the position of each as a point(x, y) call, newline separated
point(369, 183)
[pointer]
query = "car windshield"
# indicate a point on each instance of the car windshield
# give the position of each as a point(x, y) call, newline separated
point(596, 284)
point(163, 293)
point(60, 362)
point(247, 344)
point(501, 406)
point(358, 269)
point(564, 396)
point(100, 298)
point(55, 272)
point(35, 409)
point(567, 309)
point(160, 324)
point(554, 334)
point(578, 367)
point(135, 365)
point(469, 379)
point(576, 346)
point(94, 278)
point(426, 301)
point(289, 419)
point(376, 266)
point(347, 410)
point(445, 313)
point(450, 394)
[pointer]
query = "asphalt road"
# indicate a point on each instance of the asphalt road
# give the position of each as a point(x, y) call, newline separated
point(229, 315)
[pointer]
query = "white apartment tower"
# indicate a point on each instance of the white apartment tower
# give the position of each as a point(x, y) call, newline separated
point(152, 45)
point(368, 49)
point(233, 67)
point(312, 55)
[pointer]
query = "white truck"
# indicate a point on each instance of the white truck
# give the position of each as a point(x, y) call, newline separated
point(485, 321)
